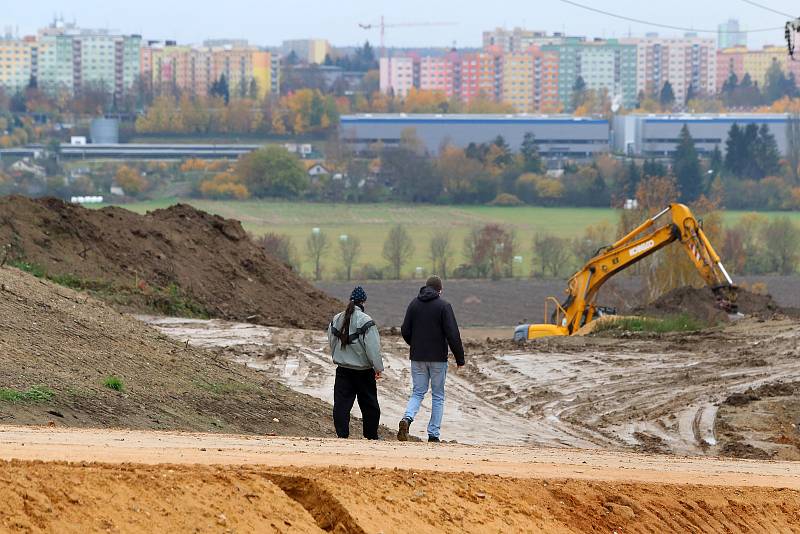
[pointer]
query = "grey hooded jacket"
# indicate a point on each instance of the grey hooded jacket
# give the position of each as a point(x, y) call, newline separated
point(364, 350)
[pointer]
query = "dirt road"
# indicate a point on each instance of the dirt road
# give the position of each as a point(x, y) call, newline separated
point(250, 484)
point(658, 394)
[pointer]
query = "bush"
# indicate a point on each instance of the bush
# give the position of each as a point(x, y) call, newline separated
point(33, 394)
point(506, 200)
point(371, 272)
point(113, 382)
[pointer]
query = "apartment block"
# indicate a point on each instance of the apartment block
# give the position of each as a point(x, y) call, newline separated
point(193, 69)
point(71, 58)
point(518, 39)
point(602, 64)
point(481, 76)
point(16, 63)
point(683, 62)
point(307, 50)
point(756, 63)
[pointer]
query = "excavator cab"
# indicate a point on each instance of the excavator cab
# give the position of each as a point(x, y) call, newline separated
point(579, 308)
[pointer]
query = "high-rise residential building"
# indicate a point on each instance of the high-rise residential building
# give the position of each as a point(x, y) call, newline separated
point(193, 69)
point(685, 62)
point(399, 74)
point(307, 50)
point(71, 58)
point(730, 61)
point(518, 39)
point(602, 64)
point(530, 80)
point(756, 63)
point(481, 76)
point(439, 74)
point(17, 59)
point(729, 36)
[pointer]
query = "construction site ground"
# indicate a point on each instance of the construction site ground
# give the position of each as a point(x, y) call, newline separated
point(701, 393)
point(134, 481)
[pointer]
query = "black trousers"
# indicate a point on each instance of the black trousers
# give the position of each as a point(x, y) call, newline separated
point(351, 384)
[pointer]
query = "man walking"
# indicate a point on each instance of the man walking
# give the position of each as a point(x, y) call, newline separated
point(429, 328)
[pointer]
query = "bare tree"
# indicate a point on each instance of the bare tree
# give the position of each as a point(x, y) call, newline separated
point(782, 241)
point(350, 248)
point(440, 252)
point(553, 254)
point(397, 249)
point(317, 245)
point(280, 246)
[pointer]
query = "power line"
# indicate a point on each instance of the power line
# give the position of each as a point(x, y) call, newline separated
point(667, 26)
point(767, 8)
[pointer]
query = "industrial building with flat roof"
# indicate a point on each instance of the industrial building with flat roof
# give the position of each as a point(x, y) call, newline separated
point(657, 135)
point(557, 136)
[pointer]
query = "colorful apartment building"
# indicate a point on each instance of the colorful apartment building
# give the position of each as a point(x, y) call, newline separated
point(481, 76)
point(683, 62)
point(311, 51)
point(602, 64)
point(756, 63)
point(518, 39)
point(194, 69)
point(16, 63)
point(66, 57)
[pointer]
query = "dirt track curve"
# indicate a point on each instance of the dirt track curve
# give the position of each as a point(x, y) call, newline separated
point(153, 481)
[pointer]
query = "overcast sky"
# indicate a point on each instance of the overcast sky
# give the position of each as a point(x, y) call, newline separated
point(268, 22)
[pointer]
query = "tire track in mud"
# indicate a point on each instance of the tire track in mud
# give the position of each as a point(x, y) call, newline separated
point(657, 394)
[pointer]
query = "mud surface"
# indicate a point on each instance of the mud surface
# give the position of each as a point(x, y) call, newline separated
point(176, 260)
point(488, 303)
point(701, 303)
point(68, 345)
point(227, 483)
point(657, 394)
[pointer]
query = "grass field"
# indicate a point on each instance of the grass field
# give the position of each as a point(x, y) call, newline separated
point(371, 223)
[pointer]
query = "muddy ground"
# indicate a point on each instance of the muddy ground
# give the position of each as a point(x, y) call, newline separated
point(176, 261)
point(664, 393)
point(488, 303)
point(212, 483)
point(59, 348)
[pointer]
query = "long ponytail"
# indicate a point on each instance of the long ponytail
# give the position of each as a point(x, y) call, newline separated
point(344, 331)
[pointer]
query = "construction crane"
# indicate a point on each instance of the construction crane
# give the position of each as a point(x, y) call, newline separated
point(383, 27)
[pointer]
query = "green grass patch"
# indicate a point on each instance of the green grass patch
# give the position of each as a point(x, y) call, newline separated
point(30, 268)
point(227, 388)
point(674, 323)
point(114, 382)
point(371, 223)
point(171, 301)
point(67, 280)
point(32, 394)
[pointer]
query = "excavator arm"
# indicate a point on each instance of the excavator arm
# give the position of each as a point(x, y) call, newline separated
point(644, 240)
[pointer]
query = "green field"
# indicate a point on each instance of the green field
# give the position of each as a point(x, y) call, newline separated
point(371, 223)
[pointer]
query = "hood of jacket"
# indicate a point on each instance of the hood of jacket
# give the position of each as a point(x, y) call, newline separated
point(427, 294)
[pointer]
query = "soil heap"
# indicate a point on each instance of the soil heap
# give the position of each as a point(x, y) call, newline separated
point(175, 261)
point(701, 304)
point(63, 353)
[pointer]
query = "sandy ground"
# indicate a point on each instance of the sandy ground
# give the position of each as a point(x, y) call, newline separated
point(658, 394)
point(157, 481)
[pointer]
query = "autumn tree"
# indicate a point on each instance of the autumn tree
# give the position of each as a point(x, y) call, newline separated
point(349, 249)
point(490, 251)
point(398, 249)
point(440, 252)
point(224, 185)
point(131, 180)
point(317, 245)
point(272, 172)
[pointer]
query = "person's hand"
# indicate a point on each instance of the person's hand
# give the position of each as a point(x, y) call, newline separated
point(458, 368)
point(378, 375)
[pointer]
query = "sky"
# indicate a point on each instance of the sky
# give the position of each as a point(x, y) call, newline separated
point(268, 22)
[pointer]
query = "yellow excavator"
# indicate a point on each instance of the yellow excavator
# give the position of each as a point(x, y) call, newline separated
point(579, 309)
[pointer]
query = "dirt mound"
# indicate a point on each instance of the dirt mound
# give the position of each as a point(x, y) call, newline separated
point(176, 261)
point(68, 359)
point(60, 497)
point(701, 303)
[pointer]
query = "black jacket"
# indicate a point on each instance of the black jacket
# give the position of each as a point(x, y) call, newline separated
point(430, 326)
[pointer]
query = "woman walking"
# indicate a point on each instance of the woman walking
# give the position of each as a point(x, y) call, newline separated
point(355, 346)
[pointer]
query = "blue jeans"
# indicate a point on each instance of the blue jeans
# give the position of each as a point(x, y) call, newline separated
point(422, 374)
